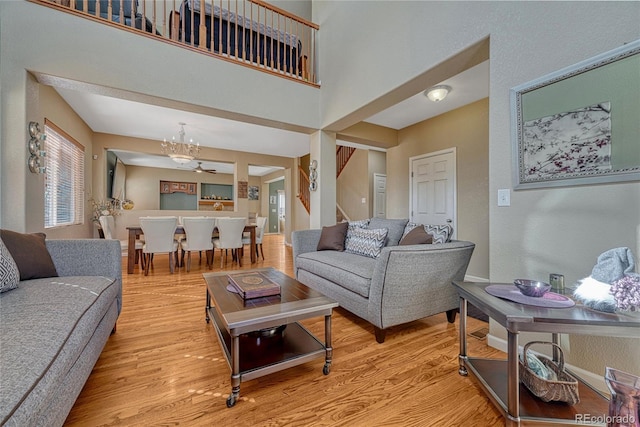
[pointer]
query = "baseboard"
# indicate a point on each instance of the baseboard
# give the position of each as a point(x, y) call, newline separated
point(469, 278)
point(594, 380)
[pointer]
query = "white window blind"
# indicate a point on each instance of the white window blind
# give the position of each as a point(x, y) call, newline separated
point(64, 178)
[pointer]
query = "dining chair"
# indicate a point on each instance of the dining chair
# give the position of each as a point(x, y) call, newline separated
point(261, 223)
point(198, 231)
point(159, 232)
point(108, 225)
point(229, 237)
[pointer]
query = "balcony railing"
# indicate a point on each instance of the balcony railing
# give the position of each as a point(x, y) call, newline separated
point(248, 32)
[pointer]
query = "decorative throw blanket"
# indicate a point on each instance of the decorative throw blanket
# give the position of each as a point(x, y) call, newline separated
point(613, 283)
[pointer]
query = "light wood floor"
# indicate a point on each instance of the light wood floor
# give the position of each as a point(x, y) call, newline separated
point(164, 367)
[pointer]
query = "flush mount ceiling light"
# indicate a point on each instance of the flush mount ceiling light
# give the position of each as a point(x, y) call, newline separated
point(180, 151)
point(437, 93)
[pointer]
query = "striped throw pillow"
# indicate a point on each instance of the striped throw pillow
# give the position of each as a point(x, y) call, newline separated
point(9, 274)
point(366, 242)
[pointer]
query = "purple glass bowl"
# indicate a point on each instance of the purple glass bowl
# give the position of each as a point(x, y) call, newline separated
point(532, 288)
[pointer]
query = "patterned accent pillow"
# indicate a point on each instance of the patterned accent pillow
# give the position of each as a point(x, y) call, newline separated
point(366, 242)
point(363, 223)
point(354, 225)
point(440, 233)
point(9, 274)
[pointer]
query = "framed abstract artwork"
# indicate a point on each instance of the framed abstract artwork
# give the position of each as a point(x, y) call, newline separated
point(254, 192)
point(579, 125)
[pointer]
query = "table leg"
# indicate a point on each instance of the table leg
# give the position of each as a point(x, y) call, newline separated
point(235, 371)
point(131, 252)
point(513, 380)
point(207, 306)
point(252, 235)
point(327, 343)
point(555, 338)
point(462, 369)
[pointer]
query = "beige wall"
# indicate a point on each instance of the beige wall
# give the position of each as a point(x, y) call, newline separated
point(353, 185)
point(467, 129)
point(356, 182)
point(377, 164)
point(55, 109)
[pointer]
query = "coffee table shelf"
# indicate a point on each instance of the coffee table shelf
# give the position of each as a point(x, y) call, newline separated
point(294, 347)
point(261, 336)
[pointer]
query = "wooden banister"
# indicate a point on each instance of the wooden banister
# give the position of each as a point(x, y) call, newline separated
point(343, 154)
point(303, 189)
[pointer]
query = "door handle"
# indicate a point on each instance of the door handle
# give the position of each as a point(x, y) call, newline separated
point(449, 221)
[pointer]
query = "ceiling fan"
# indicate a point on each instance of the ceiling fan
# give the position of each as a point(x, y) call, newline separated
point(200, 169)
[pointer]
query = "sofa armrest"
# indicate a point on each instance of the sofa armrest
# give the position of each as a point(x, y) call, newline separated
point(87, 257)
point(414, 281)
point(304, 241)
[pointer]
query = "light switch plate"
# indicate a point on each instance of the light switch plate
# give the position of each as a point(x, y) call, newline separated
point(504, 197)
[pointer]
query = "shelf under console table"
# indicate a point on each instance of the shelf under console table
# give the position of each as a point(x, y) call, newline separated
point(500, 379)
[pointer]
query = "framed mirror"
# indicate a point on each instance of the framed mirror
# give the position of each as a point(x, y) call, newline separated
point(579, 125)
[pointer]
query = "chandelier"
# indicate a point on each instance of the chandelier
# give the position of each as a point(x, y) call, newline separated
point(180, 151)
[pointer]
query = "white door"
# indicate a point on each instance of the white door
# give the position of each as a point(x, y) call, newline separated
point(433, 188)
point(379, 195)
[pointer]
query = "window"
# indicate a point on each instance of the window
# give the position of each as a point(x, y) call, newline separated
point(64, 178)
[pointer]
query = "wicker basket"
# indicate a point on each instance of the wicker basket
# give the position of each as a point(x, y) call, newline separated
point(564, 389)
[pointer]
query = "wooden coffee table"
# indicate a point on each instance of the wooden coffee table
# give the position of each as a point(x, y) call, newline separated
point(262, 335)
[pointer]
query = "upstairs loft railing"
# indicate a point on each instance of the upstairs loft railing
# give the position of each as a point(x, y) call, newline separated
point(248, 32)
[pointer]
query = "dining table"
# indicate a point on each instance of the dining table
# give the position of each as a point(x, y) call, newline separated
point(136, 231)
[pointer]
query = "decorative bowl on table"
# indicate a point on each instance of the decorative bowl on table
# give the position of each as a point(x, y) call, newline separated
point(532, 288)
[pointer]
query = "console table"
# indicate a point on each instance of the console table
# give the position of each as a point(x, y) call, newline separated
point(500, 379)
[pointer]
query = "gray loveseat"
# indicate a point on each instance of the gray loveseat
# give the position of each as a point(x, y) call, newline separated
point(402, 284)
point(52, 331)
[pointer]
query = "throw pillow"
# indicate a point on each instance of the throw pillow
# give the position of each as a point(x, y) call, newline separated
point(363, 223)
point(353, 225)
point(395, 227)
point(417, 236)
point(9, 274)
point(366, 242)
point(332, 237)
point(30, 254)
point(410, 226)
point(440, 233)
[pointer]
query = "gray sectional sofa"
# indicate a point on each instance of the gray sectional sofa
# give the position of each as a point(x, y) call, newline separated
point(52, 331)
point(402, 284)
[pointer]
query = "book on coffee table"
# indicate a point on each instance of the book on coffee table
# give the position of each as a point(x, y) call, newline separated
point(253, 285)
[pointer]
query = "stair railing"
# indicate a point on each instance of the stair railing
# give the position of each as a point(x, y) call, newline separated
point(303, 189)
